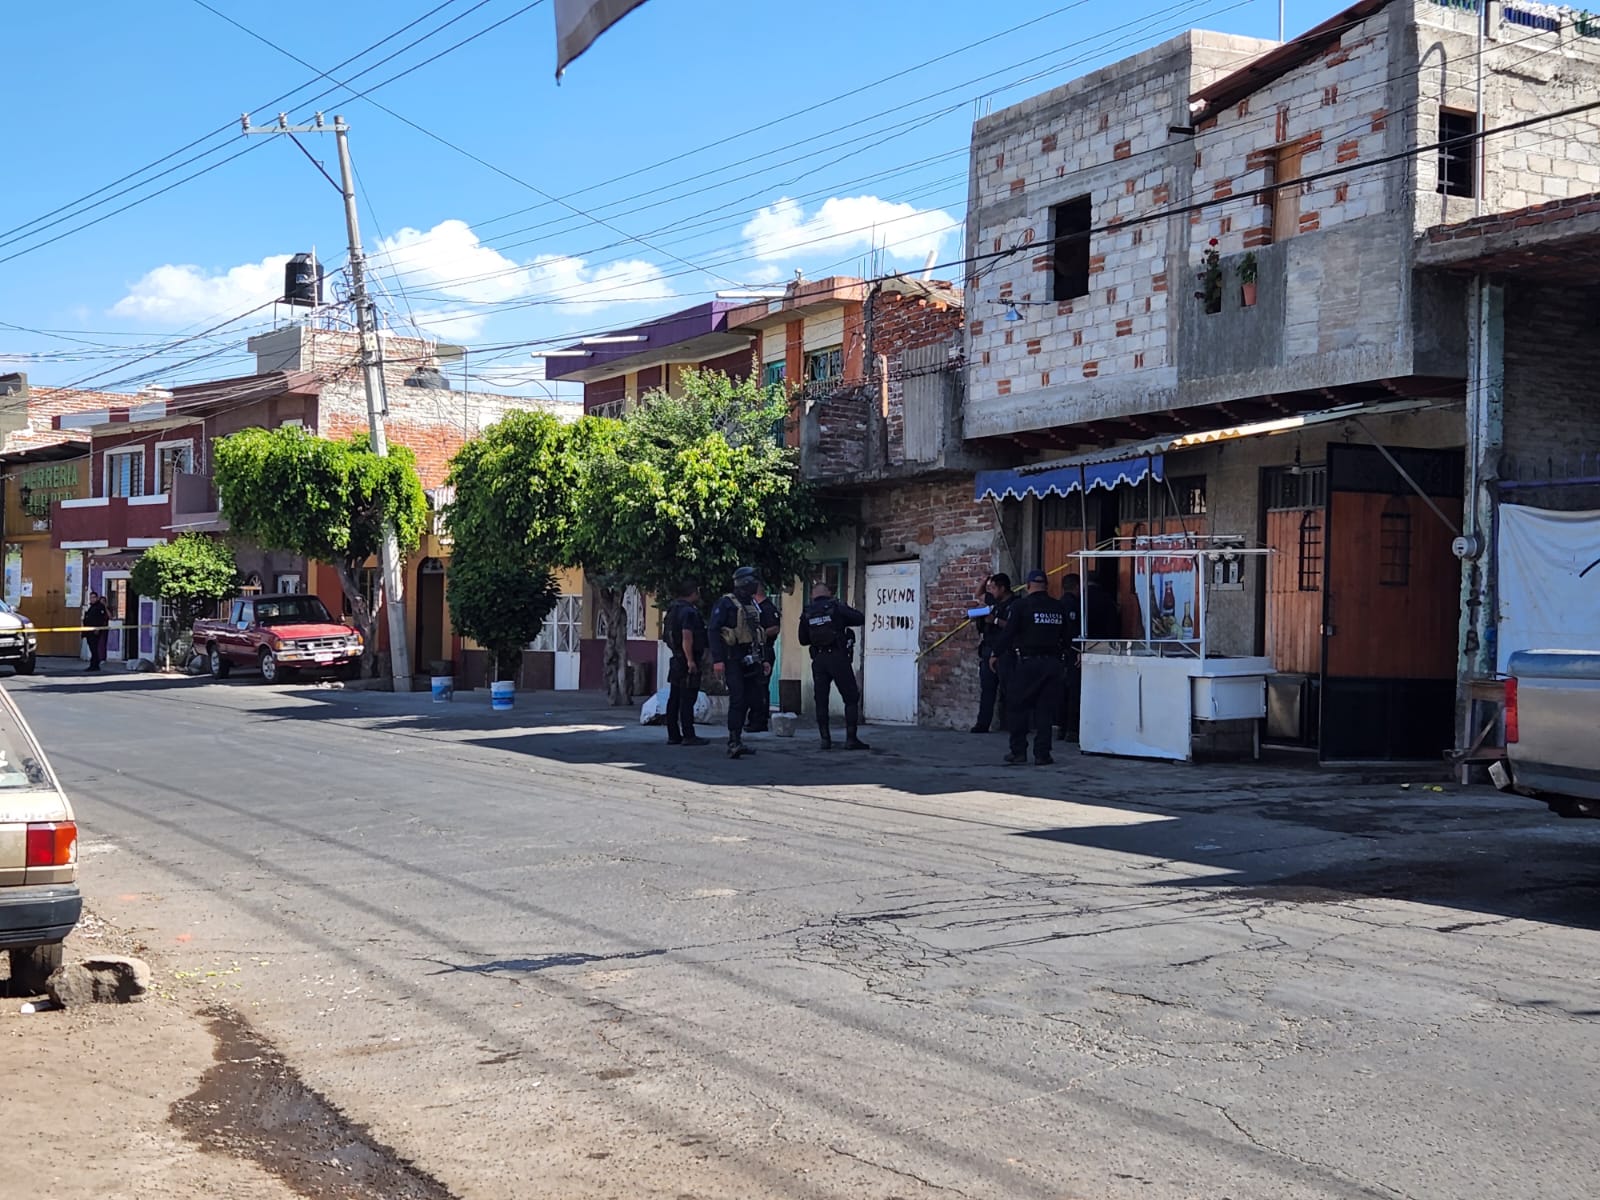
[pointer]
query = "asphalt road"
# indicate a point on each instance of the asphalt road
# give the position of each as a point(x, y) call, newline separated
point(550, 957)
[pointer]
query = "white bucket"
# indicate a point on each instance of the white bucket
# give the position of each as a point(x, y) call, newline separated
point(444, 688)
point(500, 695)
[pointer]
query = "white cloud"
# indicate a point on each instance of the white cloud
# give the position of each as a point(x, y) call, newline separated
point(446, 276)
point(449, 260)
point(182, 293)
point(846, 224)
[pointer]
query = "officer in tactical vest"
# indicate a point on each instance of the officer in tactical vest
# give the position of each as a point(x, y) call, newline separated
point(828, 626)
point(739, 653)
point(1036, 633)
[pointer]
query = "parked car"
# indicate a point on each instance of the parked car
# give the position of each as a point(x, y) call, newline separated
point(39, 900)
point(1552, 716)
point(19, 645)
point(279, 635)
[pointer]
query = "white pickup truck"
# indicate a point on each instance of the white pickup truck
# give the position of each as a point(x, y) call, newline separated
point(1552, 717)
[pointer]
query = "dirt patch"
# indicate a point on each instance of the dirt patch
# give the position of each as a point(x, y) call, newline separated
point(252, 1104)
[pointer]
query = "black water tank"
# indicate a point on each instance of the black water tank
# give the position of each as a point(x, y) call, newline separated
point(302, 281)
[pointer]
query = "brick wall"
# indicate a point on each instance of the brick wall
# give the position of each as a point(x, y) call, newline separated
point(841, 421)
point(431, 422)
point(899, 322)
point(953, 537)
point(1552, 406)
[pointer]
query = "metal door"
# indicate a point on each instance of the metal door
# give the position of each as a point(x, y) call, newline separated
point(894, 626)
point(568, 619)
point(1391, 605)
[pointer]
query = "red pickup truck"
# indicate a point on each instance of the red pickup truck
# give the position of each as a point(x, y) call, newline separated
point(280, 635)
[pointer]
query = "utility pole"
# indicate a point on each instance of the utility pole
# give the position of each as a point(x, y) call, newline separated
point(371, 374)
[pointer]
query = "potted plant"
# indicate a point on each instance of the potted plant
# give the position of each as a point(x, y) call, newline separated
point(1247, 279)
point(1210, 292)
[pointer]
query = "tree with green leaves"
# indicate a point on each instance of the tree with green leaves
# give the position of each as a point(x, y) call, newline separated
point(190, 574)
point(501, 606)
point(510, 522)
point(286, 489)
point(690, 486)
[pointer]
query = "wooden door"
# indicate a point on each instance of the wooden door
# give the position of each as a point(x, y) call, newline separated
point(1294, 590)
point(1391, 605)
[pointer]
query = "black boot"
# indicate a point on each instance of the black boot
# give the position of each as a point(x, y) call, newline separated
point(737, 749)
point(852, 742)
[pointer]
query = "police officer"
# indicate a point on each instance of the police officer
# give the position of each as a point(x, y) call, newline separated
point(828, 627)
point(1036, 632)
point(686, 641)
point(739, 653)
point(997, 598)
point(761, 704)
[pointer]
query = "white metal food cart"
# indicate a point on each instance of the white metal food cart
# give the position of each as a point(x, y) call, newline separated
point(1144, 697)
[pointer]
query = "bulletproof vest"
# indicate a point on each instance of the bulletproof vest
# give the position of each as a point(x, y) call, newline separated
point(746, 631)
point(672, 628)
point(1046, 624)
point(821, 628)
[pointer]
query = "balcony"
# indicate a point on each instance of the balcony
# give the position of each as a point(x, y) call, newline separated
point(133, 521)
point(110, 521)
point(887, 428)
point(195, 508)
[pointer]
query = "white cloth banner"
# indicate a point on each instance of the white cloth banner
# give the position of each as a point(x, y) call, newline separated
point(1549, 580)
point(579, 22)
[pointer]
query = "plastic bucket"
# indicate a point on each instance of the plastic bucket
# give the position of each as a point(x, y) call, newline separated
point(500, 695)
point(444, 688)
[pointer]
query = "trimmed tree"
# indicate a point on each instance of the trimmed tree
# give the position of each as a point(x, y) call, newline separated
point(190, 573)
point(691, 486)
point(324, 500)
point(501, 607)
point(511, 521)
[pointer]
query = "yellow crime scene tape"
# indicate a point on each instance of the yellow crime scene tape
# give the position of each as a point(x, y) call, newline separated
point(87, 628)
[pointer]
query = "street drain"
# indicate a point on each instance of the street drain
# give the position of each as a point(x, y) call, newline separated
point(252, 1104)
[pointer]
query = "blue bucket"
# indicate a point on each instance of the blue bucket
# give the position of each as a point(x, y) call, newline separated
point(444, 688)
point(500, 695)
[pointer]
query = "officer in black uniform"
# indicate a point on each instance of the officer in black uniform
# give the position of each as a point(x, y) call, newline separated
point(1036, 633)
point(828, 626)
point(997, 597)
point(738, 653)
point(686, 641)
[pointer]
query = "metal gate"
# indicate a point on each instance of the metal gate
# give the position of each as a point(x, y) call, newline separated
point(1391, 605)
point(894, 625)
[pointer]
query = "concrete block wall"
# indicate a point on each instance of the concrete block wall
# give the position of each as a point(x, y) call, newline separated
point(898, 323)
point(1336, 108)
point(1527, 73)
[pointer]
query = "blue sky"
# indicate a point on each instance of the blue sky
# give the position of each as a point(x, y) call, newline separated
point(775, 167)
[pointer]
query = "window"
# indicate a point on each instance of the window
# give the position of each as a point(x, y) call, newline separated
point(1179, 496)
point(1310, 557)
point(116, 594)
point(774, 373)
point(1069, 237)
point(172, 458)
point(1297, 487)
point(823, 365)
point(251, 585)
point(833, 573)
point(287, 585)
point(1283, 202)
point(125, 473)
point(1394, 544)
point(1458, 161)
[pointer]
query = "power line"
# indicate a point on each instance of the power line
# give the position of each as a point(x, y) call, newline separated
point(213, 133)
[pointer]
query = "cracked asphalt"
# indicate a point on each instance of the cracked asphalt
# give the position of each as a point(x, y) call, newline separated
point(545, 955)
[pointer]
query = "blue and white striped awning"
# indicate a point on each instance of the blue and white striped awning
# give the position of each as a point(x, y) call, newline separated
point(1064, 479)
